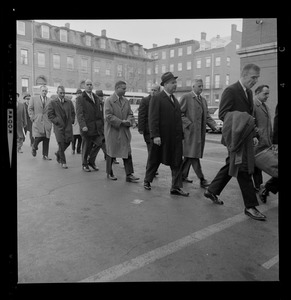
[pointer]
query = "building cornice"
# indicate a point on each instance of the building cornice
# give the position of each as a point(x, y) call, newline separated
point(260, 49)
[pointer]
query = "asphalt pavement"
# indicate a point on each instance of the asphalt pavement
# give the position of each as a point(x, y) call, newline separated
point(75, 226)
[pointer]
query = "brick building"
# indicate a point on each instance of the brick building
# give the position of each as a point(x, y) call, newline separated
point(259, 46)
point(52, 55)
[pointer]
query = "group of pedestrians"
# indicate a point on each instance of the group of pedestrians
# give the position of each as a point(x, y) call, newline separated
point(174, 132)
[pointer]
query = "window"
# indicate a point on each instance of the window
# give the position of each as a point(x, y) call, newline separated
point(123, 47)
point(171, 67)
point(84, 65)
point(41, 59)
point(207, 82)
point(189, 65)
point(156, 69)
point(70, 62)
point(135, 49)
point(56, 61)
point(130, 71)
point(179, 66)
point(24, 57)
point(179, 83)
point(88, 40)
point(198, 63)
point(180, 51)
point(217, 61)
point(20, 28)
point(24, 85)
point(172, 53)
point(149, 71)
point(63, 35)
point(227, 79)
point(119, 70)
point(189, 49)
point(164, 69)
point(96, 66)
point(237, 46)
point(155, 55)
point(228, 61)
point(188, 82)
point(164, 54)
point(103, 44)
point(149, 85)
point(216, 81)
point(45, 33)
point(207, 62)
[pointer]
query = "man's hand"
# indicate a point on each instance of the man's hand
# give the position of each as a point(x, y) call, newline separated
point(157, 141)
point(85, 128)
point(255, 141)
point(275, 148)
point(126, 123)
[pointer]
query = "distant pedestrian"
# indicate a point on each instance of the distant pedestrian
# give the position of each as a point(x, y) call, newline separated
point(61, 113)
point(143, 116)
point(76, 127)
point(41, 125)
point(91, 120)
point(21, 123)
point(264, 127)
point(238, 98)
point(26, 99)
point(195, 116)
point(165, 124)
point(118, 120)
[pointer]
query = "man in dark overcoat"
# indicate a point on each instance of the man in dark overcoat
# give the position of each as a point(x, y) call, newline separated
point(91, 120)
point(165, 124)
point(238, 97)
point(61, 113)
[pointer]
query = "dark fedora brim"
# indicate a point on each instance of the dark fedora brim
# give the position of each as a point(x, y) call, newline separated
point(163, 82)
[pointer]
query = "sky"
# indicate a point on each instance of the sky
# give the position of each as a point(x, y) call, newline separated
point(153, 31)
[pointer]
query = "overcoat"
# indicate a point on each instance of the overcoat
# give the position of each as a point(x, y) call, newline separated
point(41, 125)
point(143, 115)
point(90, 115)
point(21, 119)
point(62, 115)
point(117, 136)
point(165, 122)
point(195, 116)
point(29, 123)
point(263, 126)
point(76, 126)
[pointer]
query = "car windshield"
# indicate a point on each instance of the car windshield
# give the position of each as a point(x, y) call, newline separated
point(212, 110)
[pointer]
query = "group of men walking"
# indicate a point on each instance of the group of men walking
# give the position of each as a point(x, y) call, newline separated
point(174, 132)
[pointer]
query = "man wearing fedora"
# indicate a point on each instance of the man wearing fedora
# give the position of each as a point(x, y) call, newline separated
point(165, 125)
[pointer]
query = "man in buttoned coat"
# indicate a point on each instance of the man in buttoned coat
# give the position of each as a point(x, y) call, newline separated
point(195, 116)
point(61, 113)
point(41, 125)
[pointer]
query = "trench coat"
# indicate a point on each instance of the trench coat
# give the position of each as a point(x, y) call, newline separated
point(165, 122)
point(41, 125)
point(21, 120)
point(62, 116)
point(195, 116)
point(76, 126)
point(263, 126)
point(117, 136)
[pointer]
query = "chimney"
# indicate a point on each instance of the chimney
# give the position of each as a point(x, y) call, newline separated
point(203, 36)
point(67, 25)
point(103, 32)
point(177, 41)
point(233, 30)
point(155, 45)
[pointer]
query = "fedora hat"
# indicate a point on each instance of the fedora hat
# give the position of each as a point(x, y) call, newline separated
point(166, 77)
point(99, 93)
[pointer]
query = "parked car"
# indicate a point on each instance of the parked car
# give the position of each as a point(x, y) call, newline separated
point(214, 111)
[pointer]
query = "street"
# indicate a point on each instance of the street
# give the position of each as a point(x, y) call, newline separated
point(75, 226)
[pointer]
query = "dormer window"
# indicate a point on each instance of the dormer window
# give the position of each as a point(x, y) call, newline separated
point(63, 35)
point(88, 40)
point(123, 47)
point(135, 49)
point(103, 43)
point(45, 33)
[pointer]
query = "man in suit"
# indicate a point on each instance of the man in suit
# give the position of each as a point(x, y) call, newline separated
point(143, 115)
point(118, 120)
point(61, 113)
point(195, 116)
point(26, 99)
point(21, 123)
point(166, 131)
point(238, 97)
point(41, 125)
point(76, 127)
point(263, 126)
point(91, 121)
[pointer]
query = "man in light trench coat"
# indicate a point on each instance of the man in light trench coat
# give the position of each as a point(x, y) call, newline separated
point(118, 120)
point(195, 116)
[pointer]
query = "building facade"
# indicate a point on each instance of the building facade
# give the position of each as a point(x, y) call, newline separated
point(52, 55)
point(216, 62)
point(259, 46)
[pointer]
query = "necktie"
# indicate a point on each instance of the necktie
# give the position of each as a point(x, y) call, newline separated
point(120, 99)
point(172, 99)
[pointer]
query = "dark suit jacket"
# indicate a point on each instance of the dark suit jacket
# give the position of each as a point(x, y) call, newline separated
point(90, 114)
point(165, 122)
point(143, 115)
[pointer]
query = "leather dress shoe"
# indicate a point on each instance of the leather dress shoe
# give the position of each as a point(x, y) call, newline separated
point(147, 185)
point(255, 214)
point(33, 152)
point(187, 180)
point(204, 183)
point(64, 166)
point(213, 197)
point(57, 157)
point(46, 157)
point(93, 166)
point(179, 192)
point(131, 178)
point(115, 162)
point(86, 169)
point(263, 194)
point(111, 177)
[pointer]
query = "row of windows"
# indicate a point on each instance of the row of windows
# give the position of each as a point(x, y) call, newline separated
point(155, 55)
